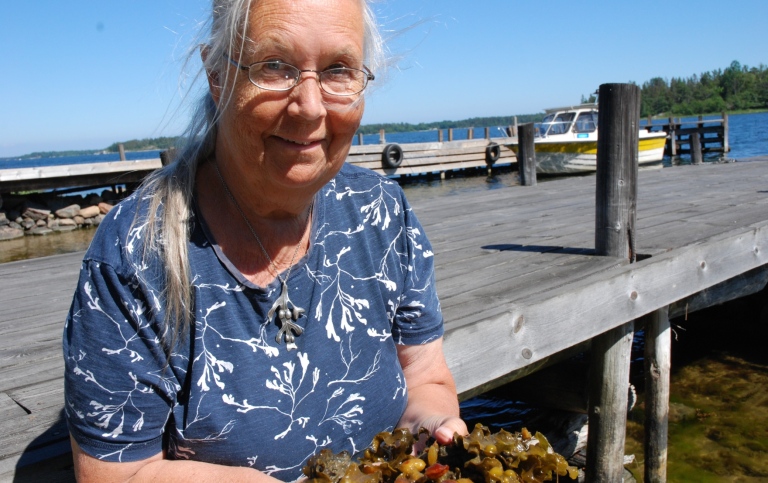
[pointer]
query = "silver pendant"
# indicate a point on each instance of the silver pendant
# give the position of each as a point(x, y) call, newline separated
point(287, 313)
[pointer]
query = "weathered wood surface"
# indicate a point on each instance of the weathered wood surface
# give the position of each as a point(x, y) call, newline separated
point(615, 233)
point(516, 272)
point(90, 174)
point(431, 157)
point(658, 362)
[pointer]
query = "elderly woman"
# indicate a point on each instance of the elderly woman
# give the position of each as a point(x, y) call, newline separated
point(259, 299)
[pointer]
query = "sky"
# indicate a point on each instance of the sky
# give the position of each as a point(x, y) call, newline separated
point(82, 74)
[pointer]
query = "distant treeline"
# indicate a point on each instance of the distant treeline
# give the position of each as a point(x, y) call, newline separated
point(736, 87)
point(147, 144)
point(471, 122)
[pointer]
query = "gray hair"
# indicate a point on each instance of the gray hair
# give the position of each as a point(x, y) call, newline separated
point(169, 190)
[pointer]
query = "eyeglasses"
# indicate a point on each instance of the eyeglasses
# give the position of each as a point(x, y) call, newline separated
point(276, 75)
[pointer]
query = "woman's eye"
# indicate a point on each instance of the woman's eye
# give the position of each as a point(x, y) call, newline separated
point(274, 65)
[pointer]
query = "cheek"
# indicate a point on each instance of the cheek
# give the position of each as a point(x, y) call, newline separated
point(346, 121)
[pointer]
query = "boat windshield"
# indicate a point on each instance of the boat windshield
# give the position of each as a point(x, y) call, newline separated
point(586, 122)
point(558, 123)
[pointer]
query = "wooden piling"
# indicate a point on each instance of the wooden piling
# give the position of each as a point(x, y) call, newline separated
point(471, 132)
point(695, 144)
point(526, 159)
point(439, 135)
point(360, 138)
point(672, 138)
point(726, 147)
point(121, 150)
point(487, 132)
point(658, 355)
point(616, 179)
point(382, 137)
point(450, 134)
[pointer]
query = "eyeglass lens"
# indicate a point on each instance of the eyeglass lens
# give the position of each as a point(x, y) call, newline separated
point(281, 76)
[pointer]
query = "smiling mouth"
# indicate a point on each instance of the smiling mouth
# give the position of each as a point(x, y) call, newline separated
point(298, 143)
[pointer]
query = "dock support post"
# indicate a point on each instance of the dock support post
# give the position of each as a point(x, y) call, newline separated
point(672, 138)
point(450, 134)
point(658, 355)
point(695, 143)
point(526, 155)
point(439, 135)
point(471, 132)
point(121, 150)
point(382, 137)
point(726, 146)
point(616, 193)
point(360, 138)
point(487, 132)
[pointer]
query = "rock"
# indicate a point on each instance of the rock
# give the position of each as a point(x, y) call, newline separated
point(3, 220)
point(36, 213)
point(98, 219)
point(13, 224)
point(63, 224)
point(41, 223)
point(28, 224)
point(89, 211)
point(40, 230)
point(68, 211)
point(105, 207)
point(9, 233)
point(79, 219)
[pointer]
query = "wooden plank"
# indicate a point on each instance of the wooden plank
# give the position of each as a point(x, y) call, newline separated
point(554, 319)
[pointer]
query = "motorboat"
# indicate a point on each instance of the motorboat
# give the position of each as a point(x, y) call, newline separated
point(566, 142)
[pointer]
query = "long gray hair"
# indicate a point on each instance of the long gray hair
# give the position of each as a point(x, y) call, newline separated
point(169, 191)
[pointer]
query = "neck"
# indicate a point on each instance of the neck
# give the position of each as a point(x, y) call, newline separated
point(261, 241)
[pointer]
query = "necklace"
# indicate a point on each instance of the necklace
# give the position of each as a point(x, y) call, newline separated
point(287, 312)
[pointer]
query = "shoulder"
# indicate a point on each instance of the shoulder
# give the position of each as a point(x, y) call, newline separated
point(120, 233)
point(352, 179)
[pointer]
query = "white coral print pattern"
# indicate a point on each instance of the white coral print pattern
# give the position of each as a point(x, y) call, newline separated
point(226, 392)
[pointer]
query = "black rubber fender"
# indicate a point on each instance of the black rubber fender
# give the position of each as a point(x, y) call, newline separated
point(492, 153)
point(392, 156)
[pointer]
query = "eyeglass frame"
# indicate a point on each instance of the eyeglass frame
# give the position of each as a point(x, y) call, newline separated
point(369, 76)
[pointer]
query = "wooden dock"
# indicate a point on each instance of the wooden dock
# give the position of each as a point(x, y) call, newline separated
point(76, 175)
point(516, 272)
point(415, 159)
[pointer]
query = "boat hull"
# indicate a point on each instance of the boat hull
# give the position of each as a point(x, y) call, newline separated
point(570, 157)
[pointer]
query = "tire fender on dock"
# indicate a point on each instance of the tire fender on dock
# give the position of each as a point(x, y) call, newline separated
point(492, 153)
point(392, 156)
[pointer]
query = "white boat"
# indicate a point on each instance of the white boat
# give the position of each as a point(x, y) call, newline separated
point(566, 142)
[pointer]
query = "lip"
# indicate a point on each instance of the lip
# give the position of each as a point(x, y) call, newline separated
point(298, 143)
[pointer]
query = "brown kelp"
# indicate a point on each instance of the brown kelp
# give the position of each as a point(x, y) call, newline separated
point(479, 457)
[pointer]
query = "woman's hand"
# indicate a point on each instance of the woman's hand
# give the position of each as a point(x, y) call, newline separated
point(432, 401)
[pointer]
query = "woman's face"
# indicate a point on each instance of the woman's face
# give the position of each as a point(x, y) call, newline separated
point(296, 139)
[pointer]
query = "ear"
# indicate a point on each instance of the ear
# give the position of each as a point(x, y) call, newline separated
point(214, 86)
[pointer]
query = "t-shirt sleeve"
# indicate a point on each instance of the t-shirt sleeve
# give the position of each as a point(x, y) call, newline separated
point(418, 319)
point(119, 384)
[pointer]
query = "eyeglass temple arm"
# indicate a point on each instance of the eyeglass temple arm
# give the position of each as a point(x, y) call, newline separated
point(235, 63)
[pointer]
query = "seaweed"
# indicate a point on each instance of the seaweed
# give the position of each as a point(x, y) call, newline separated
point(479, 457)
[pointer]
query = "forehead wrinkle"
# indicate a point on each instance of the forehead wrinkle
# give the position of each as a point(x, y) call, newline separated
point(267, 32)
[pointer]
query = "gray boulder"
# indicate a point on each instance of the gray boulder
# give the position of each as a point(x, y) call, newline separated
point(9, 233)
point(68, 211)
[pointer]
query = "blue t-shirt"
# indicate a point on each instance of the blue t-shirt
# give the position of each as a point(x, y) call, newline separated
point(230, 394)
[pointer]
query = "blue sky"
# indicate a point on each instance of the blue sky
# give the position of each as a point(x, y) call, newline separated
point(83, 74)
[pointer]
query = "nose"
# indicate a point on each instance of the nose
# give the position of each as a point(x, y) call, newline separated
point(307, 97)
